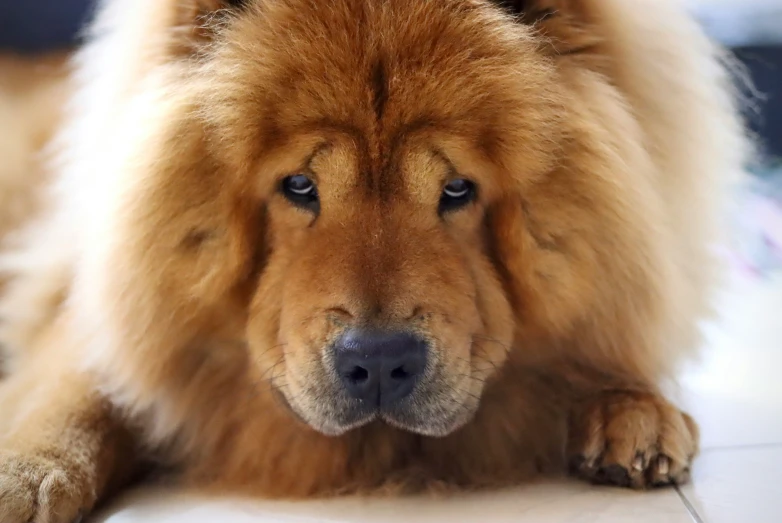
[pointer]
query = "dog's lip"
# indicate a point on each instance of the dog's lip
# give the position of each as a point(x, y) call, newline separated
point(359, 419)
point(353, 420)
point(335, 429)
point(443, 429)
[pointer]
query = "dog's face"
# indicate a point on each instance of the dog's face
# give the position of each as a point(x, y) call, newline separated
point(385, 301)
point(381, 296)
point(381, 148)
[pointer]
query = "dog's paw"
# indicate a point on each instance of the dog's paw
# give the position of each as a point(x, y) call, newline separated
point(41, 489)
point(631, 439)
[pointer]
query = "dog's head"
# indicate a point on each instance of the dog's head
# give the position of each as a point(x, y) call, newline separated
point(350, 191)
point(380, 296)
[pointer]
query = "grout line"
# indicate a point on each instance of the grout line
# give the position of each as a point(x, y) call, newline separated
point(690, 508)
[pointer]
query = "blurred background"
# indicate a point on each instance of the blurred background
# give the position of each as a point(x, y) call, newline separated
point(752, 29)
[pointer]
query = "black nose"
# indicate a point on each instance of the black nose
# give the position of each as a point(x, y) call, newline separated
point(379, 367)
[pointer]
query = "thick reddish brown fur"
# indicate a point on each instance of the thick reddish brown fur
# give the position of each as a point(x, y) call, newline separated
point(168, 301)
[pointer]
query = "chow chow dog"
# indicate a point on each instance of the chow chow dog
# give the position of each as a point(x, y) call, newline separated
point(298, 248)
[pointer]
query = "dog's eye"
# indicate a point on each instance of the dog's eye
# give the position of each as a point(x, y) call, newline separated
point(236, 3)
point(456, 194)
point(301, 190)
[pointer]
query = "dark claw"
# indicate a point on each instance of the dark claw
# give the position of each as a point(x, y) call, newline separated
point(617, 475)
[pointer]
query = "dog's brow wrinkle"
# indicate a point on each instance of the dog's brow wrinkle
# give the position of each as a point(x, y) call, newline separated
point(195, 238)
point(379, 89)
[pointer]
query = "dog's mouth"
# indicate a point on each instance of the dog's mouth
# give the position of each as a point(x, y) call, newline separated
point(436, 409)
point(408, 421)
point(403, 378)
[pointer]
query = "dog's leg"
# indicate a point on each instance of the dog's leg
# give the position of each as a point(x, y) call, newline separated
point(61, 447)
point(63, 456)
point(632, 439)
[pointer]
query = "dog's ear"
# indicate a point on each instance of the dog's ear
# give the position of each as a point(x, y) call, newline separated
point(566, 25)
point(197, 21)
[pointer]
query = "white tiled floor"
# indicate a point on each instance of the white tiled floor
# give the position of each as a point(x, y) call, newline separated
point(549, 503)
point(738, 484)
point(735, 393)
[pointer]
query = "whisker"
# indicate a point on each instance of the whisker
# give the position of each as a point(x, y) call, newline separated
point(471, 377)
point(461, 391)
point(507, 348)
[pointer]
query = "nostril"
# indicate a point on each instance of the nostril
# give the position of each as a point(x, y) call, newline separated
point(358, 375)
point(399, 373)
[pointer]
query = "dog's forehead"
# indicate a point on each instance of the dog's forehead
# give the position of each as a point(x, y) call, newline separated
point(388, 75)
point(376, 71)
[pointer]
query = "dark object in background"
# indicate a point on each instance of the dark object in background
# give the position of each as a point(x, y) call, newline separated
point(764, 64)
point(35, 26)
point(41, 25)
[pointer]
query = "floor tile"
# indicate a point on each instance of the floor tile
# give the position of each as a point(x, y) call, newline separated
point(545, 503)
point(734, 391)
point(741, 485)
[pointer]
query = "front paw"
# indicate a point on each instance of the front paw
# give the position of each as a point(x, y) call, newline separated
point(631, 439)
point(42, 488)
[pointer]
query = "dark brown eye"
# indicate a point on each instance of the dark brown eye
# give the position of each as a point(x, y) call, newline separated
point(456, 194)
point(300, 190)
point(236, 3)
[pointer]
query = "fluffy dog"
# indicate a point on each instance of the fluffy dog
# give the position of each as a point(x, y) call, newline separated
point(295, 248)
